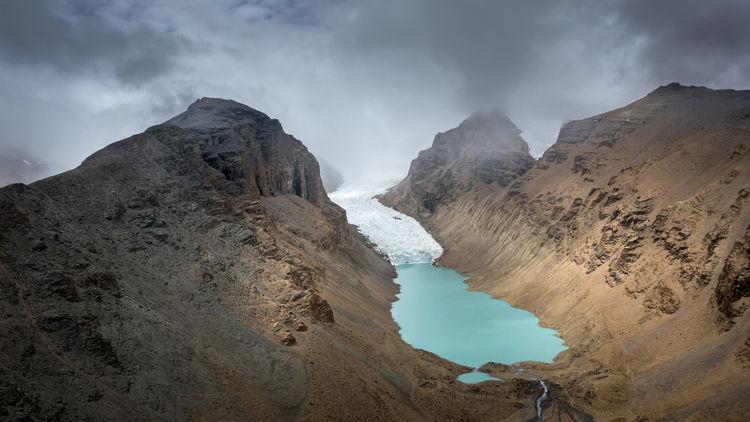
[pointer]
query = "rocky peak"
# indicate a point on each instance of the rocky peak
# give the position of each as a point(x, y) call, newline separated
point(676, 88)
point(486, 149)
point(490, 121)
point(204, 239)
point(249, 151)
point(485, 129)
point(673, 86)
point(217, 113)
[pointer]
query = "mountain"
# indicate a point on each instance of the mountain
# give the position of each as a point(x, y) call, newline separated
point(631, 235)
point(485, 149)
point(198, 271)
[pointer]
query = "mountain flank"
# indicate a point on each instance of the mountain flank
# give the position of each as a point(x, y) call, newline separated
point(198, 271)
point(630, 235)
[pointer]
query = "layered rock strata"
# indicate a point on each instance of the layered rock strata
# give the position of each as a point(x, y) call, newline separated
point(630, 235)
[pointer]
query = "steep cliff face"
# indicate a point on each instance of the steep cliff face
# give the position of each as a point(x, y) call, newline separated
point(629, 235)
point(485, 149)
point(250, 150)
point(198, 271)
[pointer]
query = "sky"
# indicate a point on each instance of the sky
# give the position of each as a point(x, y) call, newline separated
point(364, 84)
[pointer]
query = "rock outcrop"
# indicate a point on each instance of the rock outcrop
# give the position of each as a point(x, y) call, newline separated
point(485, 149)
point(250, 150)
point(630, 235)
point(198, 271)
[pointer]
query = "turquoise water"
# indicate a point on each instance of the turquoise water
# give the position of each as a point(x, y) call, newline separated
point(475, 377)
point(437, 313)
point(435, 310)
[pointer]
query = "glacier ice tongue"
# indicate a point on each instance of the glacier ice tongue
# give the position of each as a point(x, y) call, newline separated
point(397, 235)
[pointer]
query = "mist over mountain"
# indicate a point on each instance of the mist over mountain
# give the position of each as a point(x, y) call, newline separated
point(17, 167)
point(486, 148)
point(332, 178)
point(396, 210)
point(365, 84)
point(202, 258)
point(630, 233)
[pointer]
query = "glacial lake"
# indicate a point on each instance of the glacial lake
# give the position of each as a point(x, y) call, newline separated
point(435, 310)
point(437, 313)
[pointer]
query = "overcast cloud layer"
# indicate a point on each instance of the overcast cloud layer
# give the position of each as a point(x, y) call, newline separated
point(364, 84)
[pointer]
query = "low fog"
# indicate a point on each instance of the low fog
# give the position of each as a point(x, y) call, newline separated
point(366, 85)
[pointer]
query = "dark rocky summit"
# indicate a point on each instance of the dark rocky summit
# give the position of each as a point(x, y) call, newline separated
point(630, 235)
point(198, 271)
point(272, 163)
point(485, 149)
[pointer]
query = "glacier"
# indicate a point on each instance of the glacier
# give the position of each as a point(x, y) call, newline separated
point(400, 237)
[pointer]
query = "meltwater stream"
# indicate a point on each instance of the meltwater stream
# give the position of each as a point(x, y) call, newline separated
point(435, 309)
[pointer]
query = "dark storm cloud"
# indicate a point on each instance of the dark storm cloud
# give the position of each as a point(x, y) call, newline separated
point(488, 44)
point(542, 62)
point(76, 37)
point(293, 12)
point(173, 103)
point(701, 41)
point(365, 84)
point(548, 62)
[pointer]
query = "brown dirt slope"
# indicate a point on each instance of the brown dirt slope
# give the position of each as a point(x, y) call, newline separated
point(198, 271)
point(632, 236)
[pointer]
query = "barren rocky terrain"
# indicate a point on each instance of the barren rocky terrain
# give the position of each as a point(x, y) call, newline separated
point(630, 235)
point(198, 271)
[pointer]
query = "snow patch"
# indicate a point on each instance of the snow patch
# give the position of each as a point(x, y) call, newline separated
point(397, 235)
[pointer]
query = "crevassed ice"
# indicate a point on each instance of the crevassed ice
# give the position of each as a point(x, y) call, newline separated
point(398, 236)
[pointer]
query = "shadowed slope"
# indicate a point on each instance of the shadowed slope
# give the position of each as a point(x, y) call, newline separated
point(198, 271)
